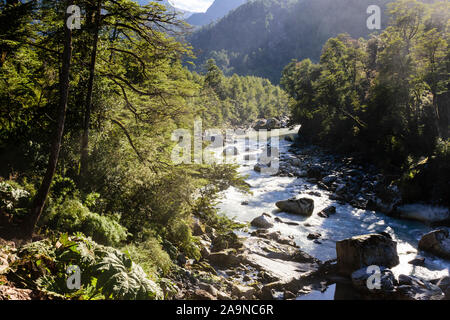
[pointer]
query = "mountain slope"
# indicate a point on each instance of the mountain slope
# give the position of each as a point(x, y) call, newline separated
point(262, 36)
point(216, 11)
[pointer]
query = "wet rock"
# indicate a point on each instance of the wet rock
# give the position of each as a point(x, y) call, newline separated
point(278, 262)
point(223, 296)
point(208, 288)
point(315, 172)
point(328, 180)
point(302, 206)
point(417, 261)
point(287, 295)
point(413, 288)
point(436, 242)
point(224, 259)
point(289, 138)
point(243, 291)
point(264, 221)
point(313, 236)
point(366, 250)
point(296, 162)
point(290, 223)
point(325, 213)
point(244, 203)
point(322, 185)
point(386, 199)
point(385, 286)
point(435, 216)
point(444, 285)
point(201, 295)
point(314, 193)
point(259, 167)
point(266, 293)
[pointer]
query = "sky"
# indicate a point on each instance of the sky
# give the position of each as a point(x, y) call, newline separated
point(192, 5)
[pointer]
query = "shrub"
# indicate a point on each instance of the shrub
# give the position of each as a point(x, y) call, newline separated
point(106, 273)
point(72, 216)
point(151, 256)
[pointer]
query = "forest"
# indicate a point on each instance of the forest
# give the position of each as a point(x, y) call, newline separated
point(86, 120)
point(386, 97)
point(92, 90)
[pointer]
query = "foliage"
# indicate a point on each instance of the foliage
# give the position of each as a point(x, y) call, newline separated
point(385, 98)
point(260, 37)
point(105, 271)
point(72, 216)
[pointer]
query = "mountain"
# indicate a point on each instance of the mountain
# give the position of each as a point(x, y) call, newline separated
point(217, 10)
point(184, 14)
point(262, 36)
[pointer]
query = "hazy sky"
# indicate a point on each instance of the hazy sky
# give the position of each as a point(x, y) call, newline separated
point(192, 5)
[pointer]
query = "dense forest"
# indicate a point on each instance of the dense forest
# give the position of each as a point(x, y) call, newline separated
point(386, 97)
point(262, 36)
point(86, 123)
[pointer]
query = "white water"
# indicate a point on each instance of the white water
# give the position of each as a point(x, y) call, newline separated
point(347, 222)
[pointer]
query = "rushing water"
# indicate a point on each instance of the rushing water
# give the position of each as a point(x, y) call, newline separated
point(347, 222)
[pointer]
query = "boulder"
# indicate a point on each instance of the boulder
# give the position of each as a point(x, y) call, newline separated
point(444, 284)
point(302, 206)
point(386, 199)
point(200, 294)
point(325, 213)
point(362, 283)
point(328, 180)
point(315, 172)
point(264, 221)
point(419, 261)
point(225, 258)
point(260, 124)
point(313, 236)
point(427, 214)
point(208, 288)
point(366, 250)
point(436, 242)
point(273, 124)
point(413, 288)
point(243, 291)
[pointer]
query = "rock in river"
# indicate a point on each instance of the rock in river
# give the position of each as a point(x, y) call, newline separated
point(436, 242)
point(366, 250)
point(302, 206)
point(385, 286)
point(264, 221)
point(427, 214)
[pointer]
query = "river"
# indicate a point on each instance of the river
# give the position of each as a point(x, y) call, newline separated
point(347, 222)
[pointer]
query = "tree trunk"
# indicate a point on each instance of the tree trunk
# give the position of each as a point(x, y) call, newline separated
point(39, 201)
point(84, 165)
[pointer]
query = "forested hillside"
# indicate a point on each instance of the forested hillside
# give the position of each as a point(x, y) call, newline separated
point(386, 97)
point(262, 36)
point(85, 130)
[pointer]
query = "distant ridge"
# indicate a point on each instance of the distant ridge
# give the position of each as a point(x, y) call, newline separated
point(216, 11)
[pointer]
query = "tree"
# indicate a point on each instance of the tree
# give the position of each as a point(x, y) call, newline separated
point(41, 196)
